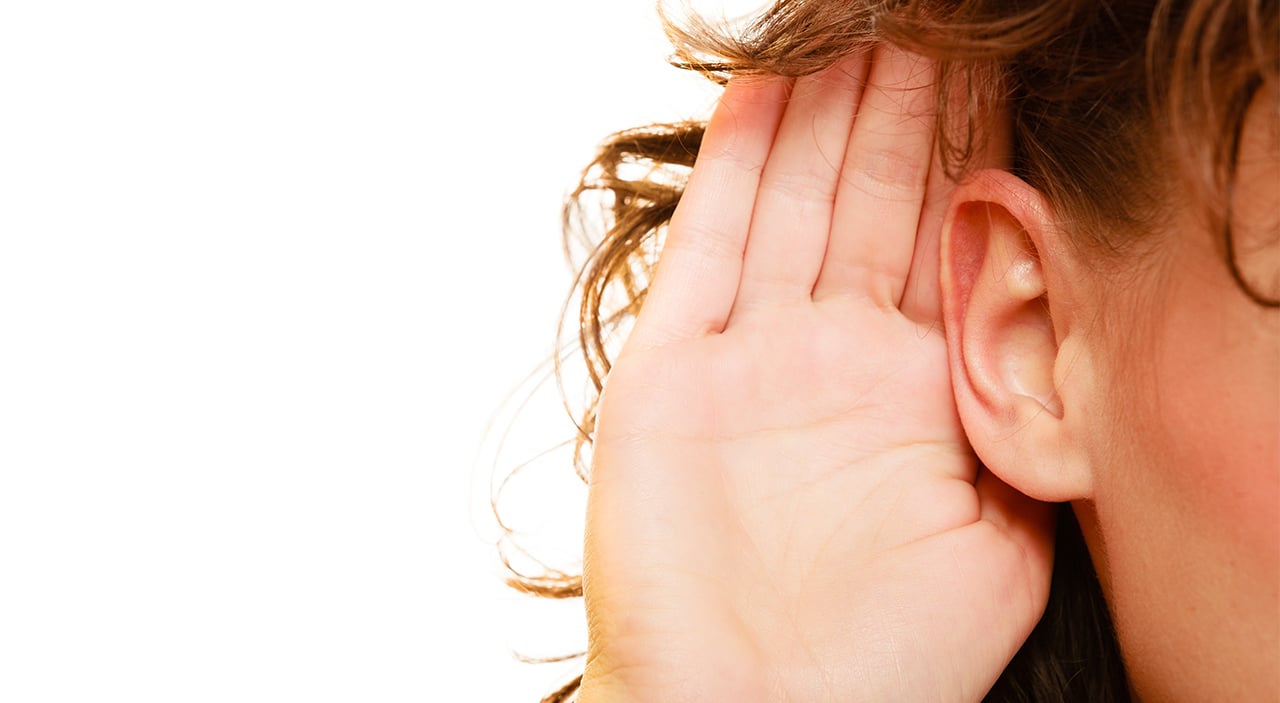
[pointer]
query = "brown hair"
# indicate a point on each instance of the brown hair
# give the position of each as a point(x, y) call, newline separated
point(1115, 104)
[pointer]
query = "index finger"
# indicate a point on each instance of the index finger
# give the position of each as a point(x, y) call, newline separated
point(697, 276)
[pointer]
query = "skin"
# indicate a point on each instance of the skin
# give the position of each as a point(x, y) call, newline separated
point(785, 503)
point(1185, 514)
point(1164, 439)
point(782, 505)
point(1149, 397)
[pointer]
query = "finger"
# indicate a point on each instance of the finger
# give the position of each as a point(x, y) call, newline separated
point(793, 209)
point(922, 296)
point(883, 181)
point(998, 587)
point(1028, 522)
point(701, 265)
point(1003, 566)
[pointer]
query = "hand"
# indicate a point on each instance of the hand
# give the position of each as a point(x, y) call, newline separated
point(783, 505)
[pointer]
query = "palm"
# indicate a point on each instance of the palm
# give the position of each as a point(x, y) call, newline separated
point(786, 508)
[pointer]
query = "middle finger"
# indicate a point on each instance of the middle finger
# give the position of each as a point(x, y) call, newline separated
point(882, 189)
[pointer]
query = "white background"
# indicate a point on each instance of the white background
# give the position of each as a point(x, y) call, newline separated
point(267, 269)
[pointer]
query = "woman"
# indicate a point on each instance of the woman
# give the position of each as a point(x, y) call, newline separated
point(914, 298)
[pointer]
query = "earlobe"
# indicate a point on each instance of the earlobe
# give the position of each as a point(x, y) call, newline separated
point(1003, 343)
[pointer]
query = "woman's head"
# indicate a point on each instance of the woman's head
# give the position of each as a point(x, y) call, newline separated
point(1114, 336)
point(1111, 300)
point(1153, 407)
point(1111, 297)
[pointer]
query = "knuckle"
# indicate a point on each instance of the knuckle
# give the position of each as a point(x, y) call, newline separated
point(889, 173)
point(806, 186)
point(735, 155)
point(702, 240)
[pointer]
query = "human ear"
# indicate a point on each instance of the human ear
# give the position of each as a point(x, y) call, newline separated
point(1008, 351)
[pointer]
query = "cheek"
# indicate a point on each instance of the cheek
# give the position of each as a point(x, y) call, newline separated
point(1185, 450)
point(1216, 419)
point(1188, 498)
point(1215, 362)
